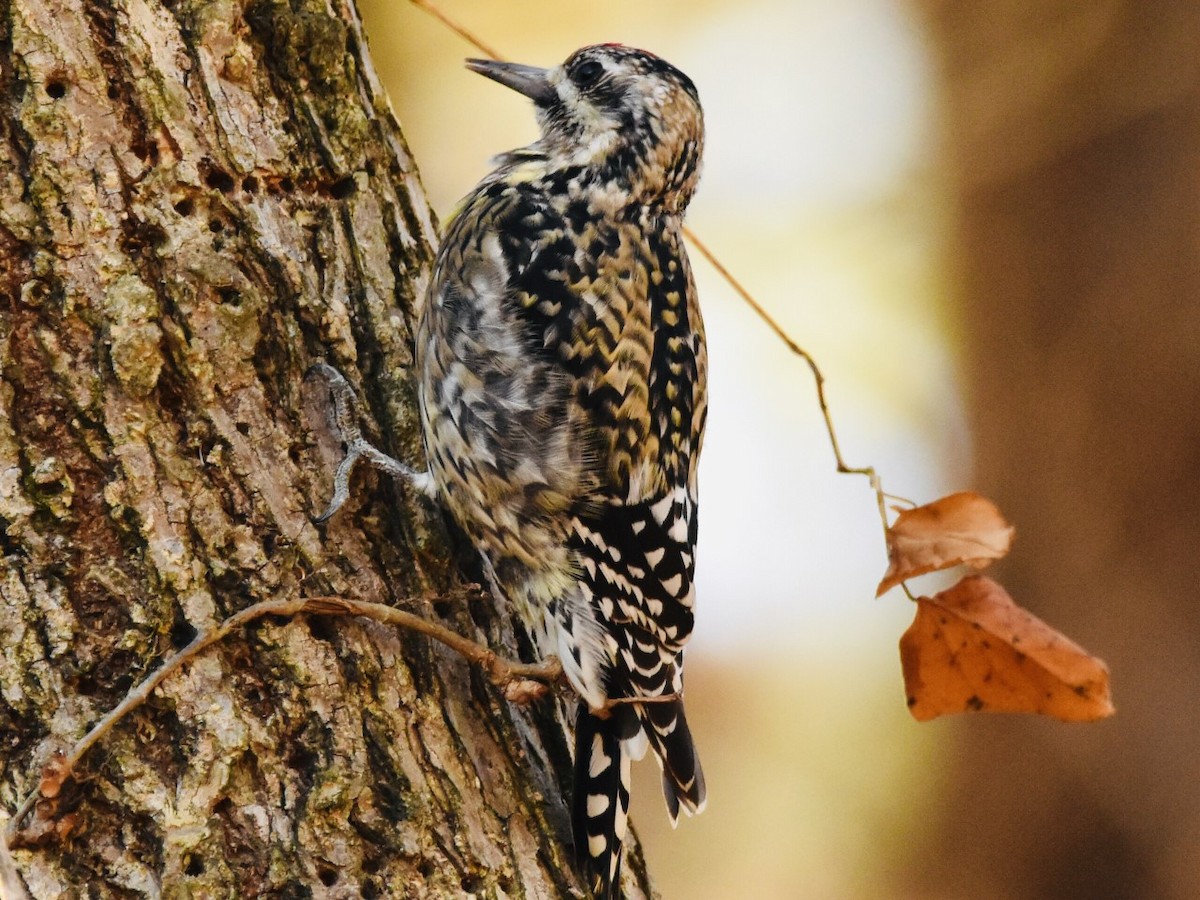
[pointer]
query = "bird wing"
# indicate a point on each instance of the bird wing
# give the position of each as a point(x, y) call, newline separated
point(504, 434)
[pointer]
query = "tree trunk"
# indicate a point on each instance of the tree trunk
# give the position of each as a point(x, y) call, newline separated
point(1074, 136)
point(197, 201)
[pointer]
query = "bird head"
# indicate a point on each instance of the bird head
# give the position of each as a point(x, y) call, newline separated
point(620, 120)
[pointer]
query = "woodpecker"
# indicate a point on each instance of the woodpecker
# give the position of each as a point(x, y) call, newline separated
point(562, 389)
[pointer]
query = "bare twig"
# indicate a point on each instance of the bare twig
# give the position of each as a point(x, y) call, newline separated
point(502, 672)
point(818, 376)
point(461, 31)
point(869, 471)
point(638, 701)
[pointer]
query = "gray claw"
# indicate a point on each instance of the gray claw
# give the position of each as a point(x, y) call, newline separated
point(343, 421)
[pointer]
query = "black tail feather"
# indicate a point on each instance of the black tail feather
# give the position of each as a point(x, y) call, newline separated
point(600, 805)
point(683, 779)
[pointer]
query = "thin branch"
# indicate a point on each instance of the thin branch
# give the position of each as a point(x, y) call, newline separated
point(434, 10)
point(502, 672)
point(639, 701)
point(818, 376)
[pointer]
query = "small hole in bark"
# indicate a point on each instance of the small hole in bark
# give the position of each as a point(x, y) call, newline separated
point(224, 807)
point(370, 865)
point(302, 759)
point(182, 632)
point(250, 184)
point(219, 180)
point(443, 608)
point(472, 884)
point(426, 868)
point(320, 628)
point(193, 866)
point(343, 188)
point(287, 185)
point(85, 686)
point(141, 149)
point(185, 207)
point(56, 90)
point(243, 428)
point(231, 297)
point(216, 226)
point(369, 168)
point(152, 234)
point(369, 890)
point(328, 877)
point(113, 93)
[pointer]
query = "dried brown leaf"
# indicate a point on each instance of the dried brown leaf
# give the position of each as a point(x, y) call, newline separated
point(961, 529)
point(972, 649)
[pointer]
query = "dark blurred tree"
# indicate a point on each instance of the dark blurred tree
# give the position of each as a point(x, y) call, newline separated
point(198, 198)
point(1073, 132)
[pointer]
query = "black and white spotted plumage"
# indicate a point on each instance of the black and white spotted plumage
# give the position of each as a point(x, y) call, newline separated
point(562, 387)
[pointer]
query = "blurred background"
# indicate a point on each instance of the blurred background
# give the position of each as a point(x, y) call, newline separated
point(983, 220)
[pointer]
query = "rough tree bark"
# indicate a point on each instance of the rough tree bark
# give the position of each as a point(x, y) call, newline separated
point(197, 200)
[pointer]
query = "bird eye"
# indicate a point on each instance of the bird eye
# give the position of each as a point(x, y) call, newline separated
point(587, 73)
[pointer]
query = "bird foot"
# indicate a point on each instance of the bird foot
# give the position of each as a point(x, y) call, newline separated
point(343, 422)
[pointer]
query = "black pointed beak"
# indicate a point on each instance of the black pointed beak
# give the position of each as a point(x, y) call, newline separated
point(534, 83)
